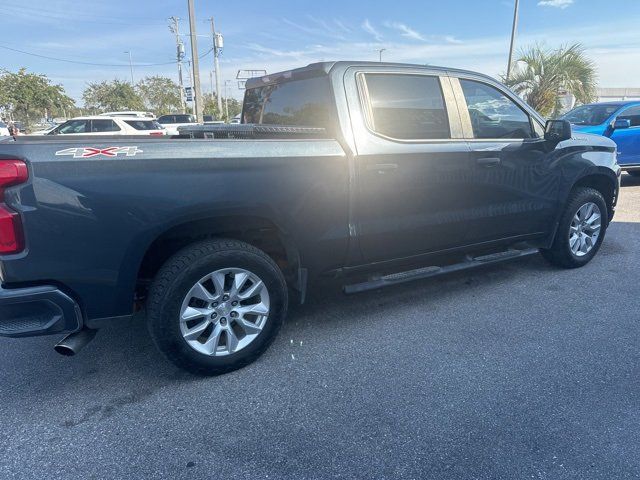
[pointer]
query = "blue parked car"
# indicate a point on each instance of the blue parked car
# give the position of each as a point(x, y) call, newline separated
point(619, 121)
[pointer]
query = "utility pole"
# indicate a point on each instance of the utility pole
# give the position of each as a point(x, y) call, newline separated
point(513, 38)
point(189, 74)
point(226, 100)
point(130, 66)
point(217, 46)
point(197, 93)
point(175, 29)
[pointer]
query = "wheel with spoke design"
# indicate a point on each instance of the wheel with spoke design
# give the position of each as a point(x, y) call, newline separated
point(216, 306)
point(580, 231)
point(585, 229)
point(224, 311)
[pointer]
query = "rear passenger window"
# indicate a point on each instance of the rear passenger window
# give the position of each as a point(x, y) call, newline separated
point(100, 126)
point(407, 107)
point(493, 114)
point(144, 124)
point(632, 114)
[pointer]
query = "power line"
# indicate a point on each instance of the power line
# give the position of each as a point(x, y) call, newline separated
point(77, 62)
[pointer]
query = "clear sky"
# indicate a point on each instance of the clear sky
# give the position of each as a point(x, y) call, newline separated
point(281, 34)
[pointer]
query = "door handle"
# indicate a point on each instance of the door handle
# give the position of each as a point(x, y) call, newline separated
point(382, 167)
point(489, 161)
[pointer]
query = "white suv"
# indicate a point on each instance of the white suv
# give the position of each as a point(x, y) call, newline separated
point(102, 125)
point(176, 120)
point(4, 129)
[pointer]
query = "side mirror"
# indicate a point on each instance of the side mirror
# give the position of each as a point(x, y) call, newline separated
point(621, 123)
point(556, 131)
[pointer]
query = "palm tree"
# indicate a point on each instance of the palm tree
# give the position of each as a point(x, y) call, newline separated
point(540, 75)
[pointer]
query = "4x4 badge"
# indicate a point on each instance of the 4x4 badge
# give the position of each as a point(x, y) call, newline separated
point(86, 152)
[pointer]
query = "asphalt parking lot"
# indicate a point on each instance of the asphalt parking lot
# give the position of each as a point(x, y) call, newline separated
point(516, 371)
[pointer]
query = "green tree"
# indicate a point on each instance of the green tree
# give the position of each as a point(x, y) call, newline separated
point(235, 107)
point(29, 96)
point(210, 103)
point(112, 96)
point(160, 94)
point(541, 74)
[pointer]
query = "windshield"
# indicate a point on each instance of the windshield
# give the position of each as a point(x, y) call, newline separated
point(73, 126)
point(591, 114)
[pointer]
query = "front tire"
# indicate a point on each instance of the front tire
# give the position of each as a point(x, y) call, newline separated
point(216, 306)
point(581, 229)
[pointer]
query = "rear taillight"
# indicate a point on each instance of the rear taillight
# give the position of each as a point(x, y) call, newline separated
point(11, 238)
point(157, 134)
point(12, 172)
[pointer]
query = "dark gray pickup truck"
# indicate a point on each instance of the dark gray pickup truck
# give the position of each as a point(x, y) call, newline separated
point(375, 173)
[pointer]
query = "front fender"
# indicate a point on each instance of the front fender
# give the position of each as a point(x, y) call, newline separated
point(586, 160)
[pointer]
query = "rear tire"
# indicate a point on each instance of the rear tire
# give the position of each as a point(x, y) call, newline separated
point(575, 243)
point(198, 283)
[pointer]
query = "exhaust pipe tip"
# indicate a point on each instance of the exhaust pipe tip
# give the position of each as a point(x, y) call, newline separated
point(64, 350)
point(74, 342)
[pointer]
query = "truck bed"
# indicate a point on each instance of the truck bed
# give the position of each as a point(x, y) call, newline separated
point(94, 205)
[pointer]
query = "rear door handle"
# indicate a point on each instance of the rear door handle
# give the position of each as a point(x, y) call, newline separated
point(488, 161)
point(382, 167)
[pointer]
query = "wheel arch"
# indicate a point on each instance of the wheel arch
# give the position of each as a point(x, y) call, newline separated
point(604, 182)
point(255, 230)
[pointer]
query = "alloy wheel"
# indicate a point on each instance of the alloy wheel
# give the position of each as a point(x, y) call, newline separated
point(584, 230)
point(224, 311)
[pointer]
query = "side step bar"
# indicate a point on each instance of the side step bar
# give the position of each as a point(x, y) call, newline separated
point(434, 271)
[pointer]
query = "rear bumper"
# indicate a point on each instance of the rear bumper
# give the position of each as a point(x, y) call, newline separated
point(33, 311)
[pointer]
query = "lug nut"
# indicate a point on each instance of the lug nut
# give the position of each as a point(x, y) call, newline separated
point(223, 321)
point(214, 315)
point(234, 314)
point(225, 297)
point(214, 304)
point(234, 304)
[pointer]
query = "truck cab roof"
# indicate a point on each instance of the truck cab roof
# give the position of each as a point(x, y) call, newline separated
point(325, 68)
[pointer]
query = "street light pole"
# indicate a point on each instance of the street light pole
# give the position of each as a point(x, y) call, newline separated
point(130, 65)
point(197, 92)
point(513, 38)
point(380, 53)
